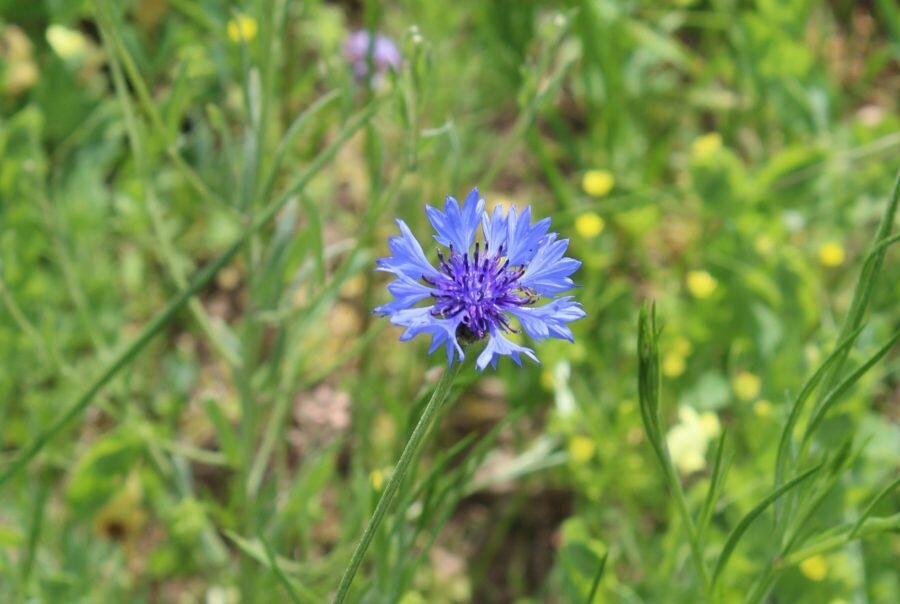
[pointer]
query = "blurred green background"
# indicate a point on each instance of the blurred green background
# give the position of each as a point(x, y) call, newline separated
point(729, 160)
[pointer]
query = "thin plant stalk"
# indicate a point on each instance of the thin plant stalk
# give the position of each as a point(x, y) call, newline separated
point(438, 398)
point(648, 392)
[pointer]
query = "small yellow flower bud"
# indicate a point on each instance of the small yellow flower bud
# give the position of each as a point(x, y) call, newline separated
point(589, 225)
point(763, 408)
point(746, 385)
point(376, 479)
point(814, 568)
point(242, 28)
point(701, 284)
point(705, 146)
point(673, 364)
point(832, 254)
point(581, 449)
point(598, 183)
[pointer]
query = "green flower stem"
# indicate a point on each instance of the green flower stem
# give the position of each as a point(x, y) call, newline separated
point(648, 393)
point(387, 496)
point(695, 546)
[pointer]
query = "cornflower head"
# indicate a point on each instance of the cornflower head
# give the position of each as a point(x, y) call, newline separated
point(385, 55)
point(478, 289)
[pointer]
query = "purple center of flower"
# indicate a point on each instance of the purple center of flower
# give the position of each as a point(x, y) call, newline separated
point(480, 287)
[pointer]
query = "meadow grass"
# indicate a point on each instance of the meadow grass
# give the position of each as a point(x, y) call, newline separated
point(197, 404)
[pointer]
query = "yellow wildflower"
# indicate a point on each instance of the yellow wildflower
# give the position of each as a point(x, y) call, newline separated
point(376, 479)
point(589, 225)
point(598, 183)
point(763, 408)
point(581, 449)
point(673, 364)
point(704, 146)
point(814, 568)
point(832, 254)
point(746, 385)
point(243, 27)
point(701, 284)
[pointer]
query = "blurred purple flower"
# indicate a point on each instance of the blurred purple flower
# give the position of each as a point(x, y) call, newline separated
point(475, 295)
point(385, 55)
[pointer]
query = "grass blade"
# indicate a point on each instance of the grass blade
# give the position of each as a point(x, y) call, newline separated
point(293, 130)
point(781, 460)
point(648, 396)
point(276, 569)
point(871, 507)
point(596, 584)
point(866, 282)
point(745, 522)
point(836, 538)
point(716, 482)
point(832, 397)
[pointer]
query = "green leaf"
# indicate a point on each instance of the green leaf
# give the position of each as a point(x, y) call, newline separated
point(582, 559)
point(784, 445)
point(102, 469)
point(835, 538)
point(716, 482)
point(257, 551)
point(871, 507)
point(599, 575)
point(648, 378)
point(835, 394)
point(735, 536)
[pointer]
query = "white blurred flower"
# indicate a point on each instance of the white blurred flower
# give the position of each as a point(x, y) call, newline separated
point(689, 439)
point(67, 43)
point(564, 397)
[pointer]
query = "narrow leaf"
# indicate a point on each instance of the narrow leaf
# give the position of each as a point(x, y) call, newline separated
point(279, 574)
point(596, 584)
point(716, 481)
point(745, 522)
point(781, 459)
point(840, 389)
point(871, 507)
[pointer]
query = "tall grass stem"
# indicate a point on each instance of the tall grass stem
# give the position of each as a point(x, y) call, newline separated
point(438, 398)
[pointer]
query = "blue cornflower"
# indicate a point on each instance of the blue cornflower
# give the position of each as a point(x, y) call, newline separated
point(475, 294)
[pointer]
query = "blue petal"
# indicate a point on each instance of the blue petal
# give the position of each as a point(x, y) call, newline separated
point(407, 293)
point(498, 346)
point(523, 239)
point(494, 228)
point(457, 226)
point(407, 257)
point(549, 320)
point(548, 273)
point(442, 331)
